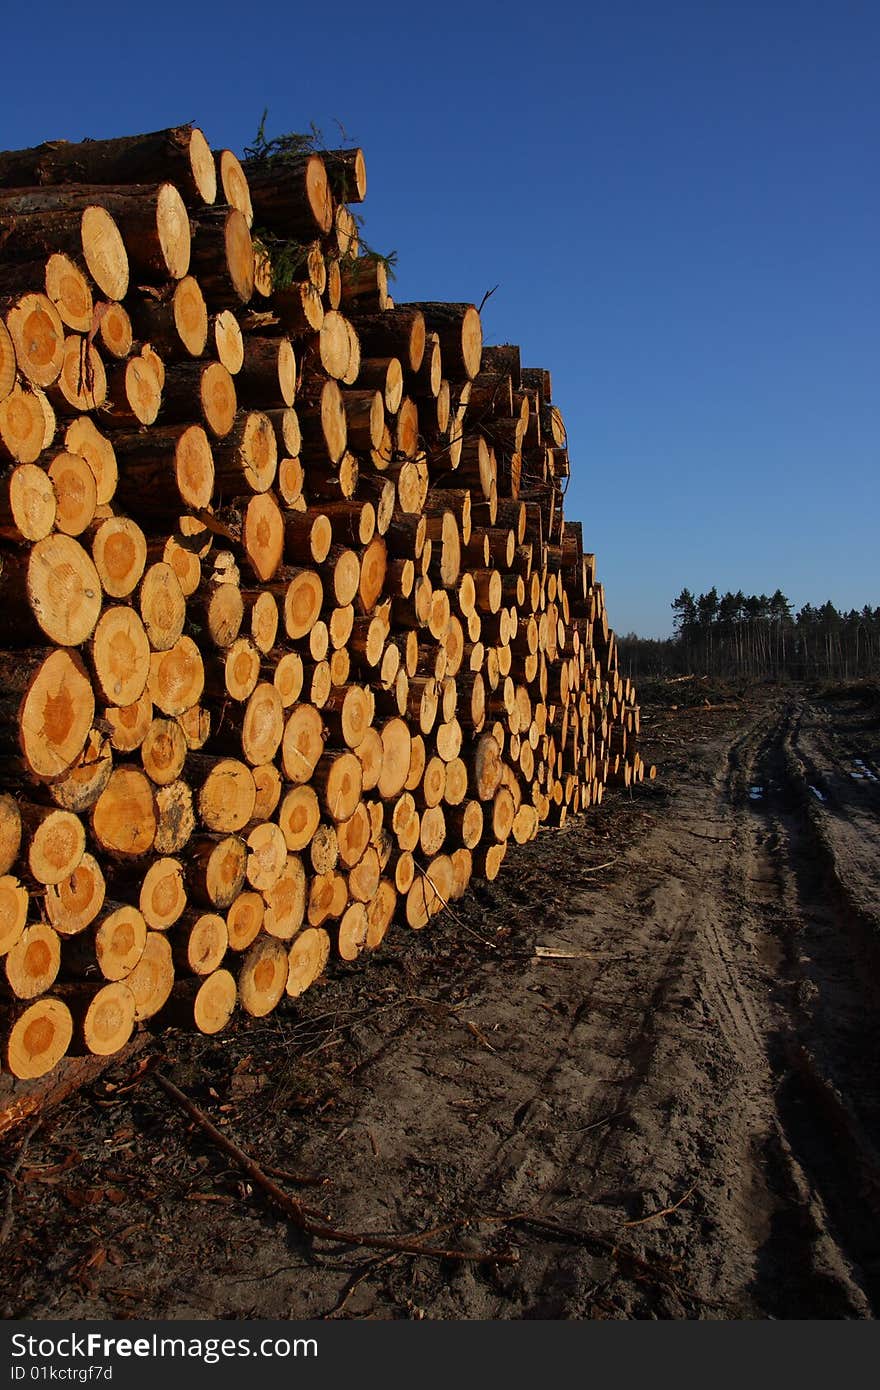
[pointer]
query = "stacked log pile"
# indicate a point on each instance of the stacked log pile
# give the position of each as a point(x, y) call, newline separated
point(294, 637)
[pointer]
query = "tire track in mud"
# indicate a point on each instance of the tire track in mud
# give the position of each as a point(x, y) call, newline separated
point(780, 1230)
point(711, 1037)
point(678, 1038)
point(821, 1157)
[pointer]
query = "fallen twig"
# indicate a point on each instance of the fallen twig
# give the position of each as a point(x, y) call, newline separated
point(358, 1278)
point(295, 1212)
point(608, 1246)
point(300, 1179)
point(665, 1211)
point(552, 953)
point(700, 836)
point(454, 915)
point(594, 868)
point(480, 1037)
point(597, 1124)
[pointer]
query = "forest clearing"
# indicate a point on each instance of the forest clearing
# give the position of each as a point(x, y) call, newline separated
point(642, 1063)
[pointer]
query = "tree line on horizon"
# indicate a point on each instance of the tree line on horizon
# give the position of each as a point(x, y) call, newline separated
point(753, 635)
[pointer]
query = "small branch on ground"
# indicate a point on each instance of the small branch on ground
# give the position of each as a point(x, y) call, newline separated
point(621, 1254)
point(454, 915)
point(664, 1211)
point(358, 1278)
point(297, 1214)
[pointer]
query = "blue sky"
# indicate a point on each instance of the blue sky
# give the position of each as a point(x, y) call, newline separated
point(679, 202)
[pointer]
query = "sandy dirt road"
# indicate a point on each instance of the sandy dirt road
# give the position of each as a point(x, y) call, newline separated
point(675, 1113)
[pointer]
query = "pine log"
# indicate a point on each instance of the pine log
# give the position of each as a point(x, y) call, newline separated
point(292, 198)
point(222, 258)
point(180, 153)
point(22, 426)
point(90, 237)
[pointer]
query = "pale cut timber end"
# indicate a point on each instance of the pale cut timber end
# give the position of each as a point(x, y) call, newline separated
point(229, 341)
point(33, 963)
point(204, 169)
point(64, 590)
point(380, 913)
point(73, 905)
point(353, 931)
point(226, 798)
point(84, 438)
point(318, 193)
point(241, 669)
point(307, 960)
point(56, 715)
point(120, 940)
point(76, 493)
point(39, 1039)
point(191, 316)
point(207, 943)
point(152, 979)
point(172, 225)
point(163, 753)
point(264, 537)
point(194, 468)
point(70, 292)
point(124, 818)
point(177, 818)
point(263, 976)
point(104, 252)
point(302, 743)
point(286, 901)
point(244, 920)
point(10, 831)
point(116, 331)
point(235, 185)
point(143, 391)
point(163, 610)
point(82, 384)
point(37, 333)
point(302, 604)
point(240, 255)
point(57, 847)
point(109, 1020)
point(215, 1002)
point(32, 504)
point(7, 362)
point(299, 816)
point(22, 426)
point(14, 900)
point(119, 550)
point(267, 780)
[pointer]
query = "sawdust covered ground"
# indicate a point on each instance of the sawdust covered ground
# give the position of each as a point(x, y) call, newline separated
point(672, 1109)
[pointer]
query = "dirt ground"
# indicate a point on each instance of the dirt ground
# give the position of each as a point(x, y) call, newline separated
point(679, 1118)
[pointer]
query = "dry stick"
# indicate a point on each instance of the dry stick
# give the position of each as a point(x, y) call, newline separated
point(718, 839)
point(665, 1211)
point(293, 1210)
point(300, 1179)
point(611, 1247)
point(597, 1124)
point(454, 915)
point(11, 1174)
point(358, 1278)
point(594, 868)
point(480, 1037)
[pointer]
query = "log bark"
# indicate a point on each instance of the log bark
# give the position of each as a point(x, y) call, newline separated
point(180, 153)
